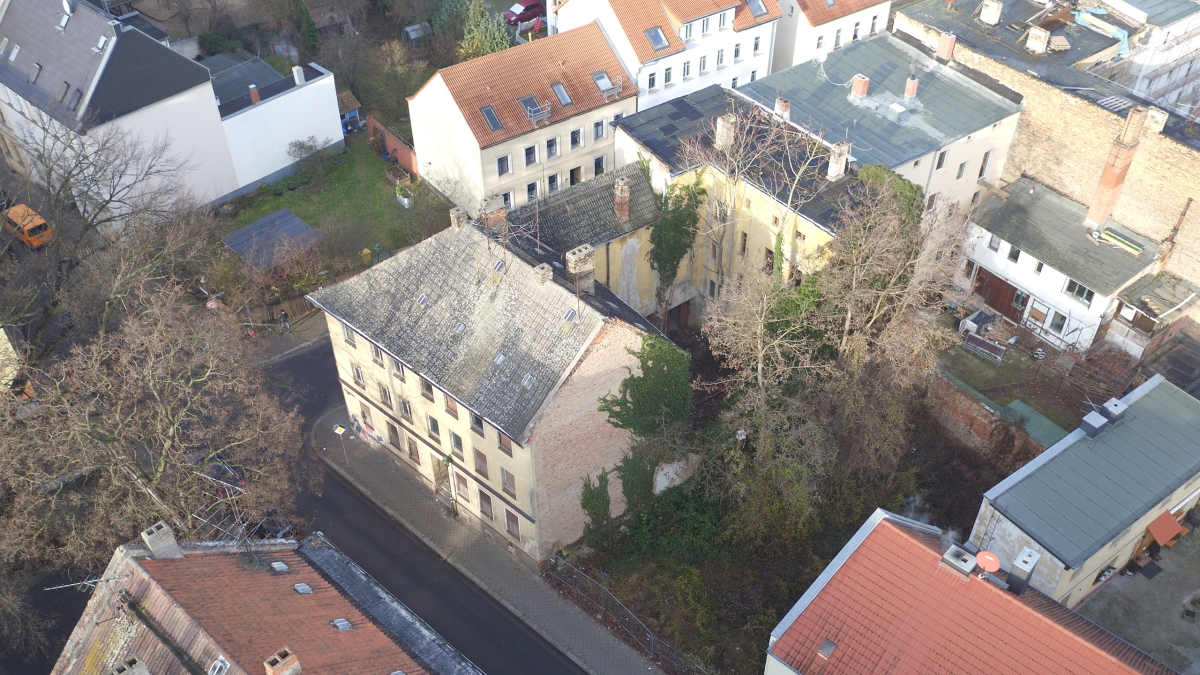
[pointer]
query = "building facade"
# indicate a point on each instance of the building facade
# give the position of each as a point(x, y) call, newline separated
point(809, 30)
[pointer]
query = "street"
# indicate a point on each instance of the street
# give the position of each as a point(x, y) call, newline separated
point(468, 617)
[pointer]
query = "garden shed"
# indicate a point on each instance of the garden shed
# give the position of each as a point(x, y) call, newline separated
point(272, 240)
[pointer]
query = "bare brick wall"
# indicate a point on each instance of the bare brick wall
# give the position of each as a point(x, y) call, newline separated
point(572, 439)
point(967, 420)
point(1063, 141)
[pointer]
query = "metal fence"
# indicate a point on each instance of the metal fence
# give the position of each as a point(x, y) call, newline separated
point(663, 653)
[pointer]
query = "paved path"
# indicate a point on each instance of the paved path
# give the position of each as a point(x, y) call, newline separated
point(307, 331)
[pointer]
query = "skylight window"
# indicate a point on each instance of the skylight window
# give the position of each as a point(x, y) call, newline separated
point(570, 315)
point(527, 381)
point(499, 360)
point(829, 3)
point(62, 23)
point(602, 81)
point(100, 44)
point(499, 266)
point(658, 39)
point(757, 8)
point(460, 328)
point(13, 56)
point(279, 567)
point(342, 624)
point(423, 300)
point(489, 115)
point(561, 92)
point(530, 104)
point(303, 589)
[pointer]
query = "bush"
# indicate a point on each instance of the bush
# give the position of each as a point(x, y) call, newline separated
point(218, 43)
point(598, 530)
point(679, 524)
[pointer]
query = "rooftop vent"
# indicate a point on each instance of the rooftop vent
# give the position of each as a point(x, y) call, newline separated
point(303, 589)
point(1114, 410)
point(542, 273)
point(279, 567)
point(989, 12)
point(959, 559)
point(1093, 423)
point(500, 359)
point(527, 381)
point(423, 300)
point(342, 624)
point(1038, 40)
point(1022, 570)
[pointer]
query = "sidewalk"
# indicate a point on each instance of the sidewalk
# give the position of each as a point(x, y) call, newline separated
point(306, 331)
point(490, 566)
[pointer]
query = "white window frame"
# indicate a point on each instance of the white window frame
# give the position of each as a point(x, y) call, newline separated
point(433, 427)
point(537, 188)
point(756, 43)
point(525, 155)
point(557, 147)
point(687, 70)
point(507, 159)
point(737, 53)
point(571, 139)
point(348, 334)
point(601, 125)
point(509, 514)
point(705, 25)
point(385, 396)
point(652, 81)
point(556, 178)
point(703, 64)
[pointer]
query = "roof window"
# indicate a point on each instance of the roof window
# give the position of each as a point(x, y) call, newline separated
point(460, 328)
point(527, 381)
point(829, 3)
point(602, 81)
point(499, 360)
point(75, 99)
point(570, 315)
point(13, 56)
point(303, 589)
point(533, 110)
point(279, 567)
point(757, 8)
point(62, 22)
point(33, 75)
point(100, 44)
point(342, 624)
point(561, 92)
point(423, 300)
point(489, 115)
point(658, 39)
point(499, 266)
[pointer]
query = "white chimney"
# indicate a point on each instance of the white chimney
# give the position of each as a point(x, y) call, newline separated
point(298, 75)
point(989, 12)
point(726, 125)
point(1038, 40)
point(160, 539)
point(838, 155)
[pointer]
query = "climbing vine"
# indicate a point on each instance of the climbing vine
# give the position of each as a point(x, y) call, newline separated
point(597, 506)
point(910, 198)
point(660, 396)
point(672, 237)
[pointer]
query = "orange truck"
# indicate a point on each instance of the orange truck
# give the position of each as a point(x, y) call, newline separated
point(27, 226)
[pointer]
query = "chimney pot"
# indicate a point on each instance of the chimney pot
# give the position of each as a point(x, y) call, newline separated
point(860, 85)
point(838, 154)
point(298, 75)
point(910, 87)
point(254, 96)
point(946, 42)
point(621, 188)
point(160, 539)
point(133, 665)
point(458, 217)
point(1112, 178)
point(543, 273)
point(495, 215)
point(726, 126)
point(783, 108)
point(581, 268)
point(282, 662)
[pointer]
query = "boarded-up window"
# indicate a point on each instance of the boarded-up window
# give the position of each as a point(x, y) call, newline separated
point(512, 524)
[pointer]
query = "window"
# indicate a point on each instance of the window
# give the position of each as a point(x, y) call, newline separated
point(837, 39)
point(348, 333)
point(220, 666)
point(531, 192)
point(76, 97)
point(720, 57)
point(652, 81)
point(753, 75)
point(435, 430)
point(456, 445)
point(1037, 268)
point(602, 81)
point(714, 251)
point(994, 243)
point(598, 129)
point(1020, 299)
point(1079, 292)
point(509, 482)
point(503, 165)
point(820, 42)
point(658, 39)
point(552, 147)
point(769, 260)
point(477, 424)
point(98, 48)
point(552, 183)
point(66, 89)
point(854, 35)
point(481, 464)
point(393, 435)
point(733, 83)
point(742, 246)
point(406, 410)
point(377, 354)
point(385, 396)
point(598, 165)
point(799, 235)
point(358, 375)
point(560, 91)
point(464, 489)
point(397, 369)
point(666, 77)
point(941, 160)
point(962, 169)
point(916, 163)
point(366, 414)
point(512, 524)
point(703, 65)
point(757, 40)
point(687, 69)
point(505, 443)
point(412, 450)
point(970, 268)
point(62, 22)
point(576, 138)
point(1058, 323)
point(485, 505)
point(451, 407)
point(507, 197)
point(737, 52)
point(531, 155)
point(975, 198)
point(489, 116)
point(426, 389)
point(704, 27)
point(983, 166)
point(874, 20)
point(12, 58)
point(1014, 253)
point(721, 21)
point(1139, 321)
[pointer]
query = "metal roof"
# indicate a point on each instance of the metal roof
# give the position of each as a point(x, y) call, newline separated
point(884, 127)
point(1161, 296)
point(264, 242)
point(1163, 13)
point(1049, 227)
point(1082, 493)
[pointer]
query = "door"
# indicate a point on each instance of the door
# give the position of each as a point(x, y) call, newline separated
point(576, 175)
point(441, 478)
point(998, 294)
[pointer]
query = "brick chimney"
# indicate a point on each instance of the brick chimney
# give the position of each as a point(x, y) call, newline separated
point(783, 108)
point(495, 215)
point(298, 75)
point(726, 126)
point(254, 97)
point(161, 541)
point(581, 268)
point(543, 273)
point(838, 155)
point(1112, 178)
point(910, 87)
point(946, 42)
point(860, 85)
point(282, 662)
point(621, 198)
point(458, 217)
point(130, 666)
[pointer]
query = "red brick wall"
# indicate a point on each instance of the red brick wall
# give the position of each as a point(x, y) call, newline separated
point(404, 154)
point(967, 420)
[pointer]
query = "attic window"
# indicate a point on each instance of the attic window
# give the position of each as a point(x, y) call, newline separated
point(423, 300)
point(658, 40)
point(602, 81)
point(279, 567)
point(219, 667)
point(62, 23)
point(33, 76)
point(303, 589)
point(342, 624)
point(499, 266)
point(561, 92)
point(757, 8)
point(100, 45)
point(499, 360)
point(527, 381)
point(570, 315)
point(460, 328)
point(13, 56)
point(829, 3)
point(489, 115)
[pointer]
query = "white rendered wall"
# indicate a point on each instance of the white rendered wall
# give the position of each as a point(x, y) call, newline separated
point(446, 148)
point(796, 39)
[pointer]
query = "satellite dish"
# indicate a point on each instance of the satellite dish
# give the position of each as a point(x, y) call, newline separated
point(989, 562)
point(68, 7)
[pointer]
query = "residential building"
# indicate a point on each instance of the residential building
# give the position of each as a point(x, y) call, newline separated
point(522, 122)
point(1119, 484)
point(901, 597)
point(233, 608)
point(480, 370)
point(947, 130)
point(675, 47)
point(1069, 119)
point(86, 71)
point(810, 29)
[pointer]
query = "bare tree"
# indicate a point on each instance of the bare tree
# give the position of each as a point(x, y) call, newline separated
point(165, 418)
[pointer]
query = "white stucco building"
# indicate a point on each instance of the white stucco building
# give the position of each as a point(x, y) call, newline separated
point(675, 47)
point(809, 28)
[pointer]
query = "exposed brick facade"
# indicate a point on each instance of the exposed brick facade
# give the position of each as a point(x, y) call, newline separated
point(967, 420)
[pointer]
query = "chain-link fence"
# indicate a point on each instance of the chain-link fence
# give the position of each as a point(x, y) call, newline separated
point(663, 653)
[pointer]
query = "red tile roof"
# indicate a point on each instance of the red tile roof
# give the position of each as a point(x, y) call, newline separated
point(688, 10)
point(818, 11)
point(500, 79)
point(743, 18)
point(639, 16)
point(1165, 528)
point(253, 612)
point(894, 607)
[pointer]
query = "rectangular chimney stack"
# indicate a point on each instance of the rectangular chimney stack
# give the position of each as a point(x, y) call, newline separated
point(838, 155)
point(621, 187)
point(945, 49)
point(1112, 178)
point(581, 269)
point(860, 85)
point(726, 126)
point(282, 662)
point(298, 75)
point(910, 87)
point(1022, 570)
point(783, 108)
point(254, 96)
point(160, 539)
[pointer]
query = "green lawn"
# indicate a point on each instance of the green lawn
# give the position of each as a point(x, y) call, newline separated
point(353, 205)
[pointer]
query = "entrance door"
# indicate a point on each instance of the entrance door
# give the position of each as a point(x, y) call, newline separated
point(441, 478)
point(998, 294)
point(677, 316)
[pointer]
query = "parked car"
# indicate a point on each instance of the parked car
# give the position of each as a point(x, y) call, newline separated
point(524, 10)
point(27, 226)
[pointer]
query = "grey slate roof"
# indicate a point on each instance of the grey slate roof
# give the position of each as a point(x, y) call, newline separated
point(263, 243)
point(232, 74)
point(140, 73)
point(1049, 227)
point(503, 312)
point(884, 128)
point(1082, 493)
point(1163, 293)
point(663, 128)
point(393, 617)
point(280, 86)
point(584, 213)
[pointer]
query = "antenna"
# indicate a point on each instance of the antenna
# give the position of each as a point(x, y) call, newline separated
point(88, 584)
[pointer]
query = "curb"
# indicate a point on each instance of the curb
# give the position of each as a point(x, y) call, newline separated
point(438, 549)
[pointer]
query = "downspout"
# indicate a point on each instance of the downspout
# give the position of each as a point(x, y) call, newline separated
point(607, 266)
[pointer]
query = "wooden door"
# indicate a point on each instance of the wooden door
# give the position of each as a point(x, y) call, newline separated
point(997, 293)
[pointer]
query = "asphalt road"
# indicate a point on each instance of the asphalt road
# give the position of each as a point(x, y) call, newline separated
point(470, 619)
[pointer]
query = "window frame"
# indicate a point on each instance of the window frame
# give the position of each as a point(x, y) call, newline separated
point(504, 443)
point(552, 147)
point(485, 505)
point(553, 184)
point(463, 493)
point(512, 521)
point(397, 368)
point(531, 192)
point(385, 396)
point(704, 64)
point(427, 389)
point(962, 171)
point(757, 41)
point(600, 161)
point(479, 428)
point(479, 455)
point(599, 130)
point(414, 453)
point(652, 81)
point(405, 409)
point(837, 39)
point(1014, 253)
point(377, 355)
point(433, 428)
point(1062, 325)
point(456, 446)
point(687, 70)
point(983, 165)
point(504, 165)
point(1084, 298)
point(994, 243)
point(451, 407)
point(534, 149)
point(941, 161)
point(737, 52)
point(348, 335)
point(667, 77)
point(576, 139)
point(508, 482)
point(357, 372)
